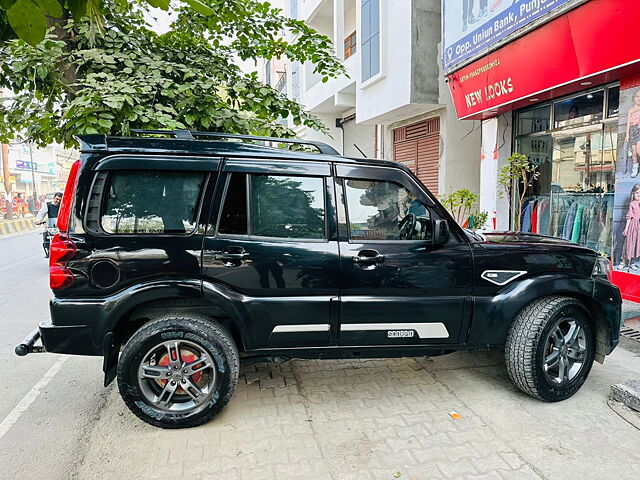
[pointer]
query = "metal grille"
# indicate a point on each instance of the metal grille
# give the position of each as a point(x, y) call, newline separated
point(630, 333)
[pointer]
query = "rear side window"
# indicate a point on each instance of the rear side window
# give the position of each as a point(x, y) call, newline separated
point(151, 202)
point(277, 206)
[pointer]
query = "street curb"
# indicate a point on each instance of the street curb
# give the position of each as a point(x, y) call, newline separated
point(627, 393)
point(19, 225)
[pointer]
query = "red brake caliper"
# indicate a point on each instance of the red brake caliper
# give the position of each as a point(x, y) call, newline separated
point(187, 357)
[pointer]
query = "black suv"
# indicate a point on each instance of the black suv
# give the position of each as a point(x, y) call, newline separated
point(180, 257)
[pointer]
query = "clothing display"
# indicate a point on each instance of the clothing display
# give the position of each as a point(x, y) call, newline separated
point(631, 248)
point(583, 218)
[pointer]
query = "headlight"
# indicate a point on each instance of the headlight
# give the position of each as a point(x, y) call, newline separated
point(602, 268)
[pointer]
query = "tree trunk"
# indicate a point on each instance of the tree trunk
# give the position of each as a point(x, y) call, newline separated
point(69, 70)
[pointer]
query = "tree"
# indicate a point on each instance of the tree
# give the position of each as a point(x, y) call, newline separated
point(78, 81)
point(518, 169)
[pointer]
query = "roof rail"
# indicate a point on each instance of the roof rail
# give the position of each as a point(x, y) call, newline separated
point(190, 135)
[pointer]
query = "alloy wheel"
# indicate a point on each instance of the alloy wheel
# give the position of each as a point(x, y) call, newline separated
point(177, 376)
point(565, 351)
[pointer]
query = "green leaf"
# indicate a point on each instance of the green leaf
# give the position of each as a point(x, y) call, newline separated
point(28, 21)
point(200, 7)
point(50, 7)
point(103, 122)
point(78, 8)
point(163, 4)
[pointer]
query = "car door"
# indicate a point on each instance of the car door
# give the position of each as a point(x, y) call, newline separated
point(398, 284)
point(275, 245)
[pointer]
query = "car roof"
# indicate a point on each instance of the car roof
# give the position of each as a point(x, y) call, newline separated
point(95, 143)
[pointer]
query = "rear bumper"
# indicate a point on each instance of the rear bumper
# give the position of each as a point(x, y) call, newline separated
point(72, 339)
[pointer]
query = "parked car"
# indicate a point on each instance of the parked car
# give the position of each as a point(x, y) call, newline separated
point(180, 258)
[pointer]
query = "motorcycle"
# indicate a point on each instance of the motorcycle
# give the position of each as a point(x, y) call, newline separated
point(50, 230)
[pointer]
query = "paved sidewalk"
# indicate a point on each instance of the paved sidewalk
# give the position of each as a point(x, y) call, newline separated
point(382, 419)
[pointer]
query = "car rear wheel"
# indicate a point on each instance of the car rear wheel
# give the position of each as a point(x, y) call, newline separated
point(178, 371)
point(550, 348)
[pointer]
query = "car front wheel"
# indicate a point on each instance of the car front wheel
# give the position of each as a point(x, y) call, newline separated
point(178, 372)
point(550, 348)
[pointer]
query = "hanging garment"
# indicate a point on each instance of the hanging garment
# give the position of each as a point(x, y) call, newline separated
point(569, 220)
point(605, 239)
point(544, 217)
point(595, 225)
point(534, 218)
point(577, 224)
point(525, 221)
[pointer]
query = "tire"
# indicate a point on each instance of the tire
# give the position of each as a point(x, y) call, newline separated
point(540, 343)
point(151, 383)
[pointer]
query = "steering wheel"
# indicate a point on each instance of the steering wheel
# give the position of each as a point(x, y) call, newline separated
point(407, 226)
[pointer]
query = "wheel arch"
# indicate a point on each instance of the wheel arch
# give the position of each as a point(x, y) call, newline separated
point(143, 305)
point(494, 315)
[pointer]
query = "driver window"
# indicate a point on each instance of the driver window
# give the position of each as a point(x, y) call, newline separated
point(379, 210)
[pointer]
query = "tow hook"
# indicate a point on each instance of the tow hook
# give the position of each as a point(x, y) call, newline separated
point(27, 345)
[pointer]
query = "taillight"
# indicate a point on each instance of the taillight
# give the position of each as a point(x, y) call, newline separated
point(64, 214)
point(60, 250)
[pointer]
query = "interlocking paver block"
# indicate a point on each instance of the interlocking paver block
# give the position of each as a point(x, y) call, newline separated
point(276, 382)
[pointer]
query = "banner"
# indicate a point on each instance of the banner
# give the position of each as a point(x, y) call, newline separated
point(472, 27)
point(585, 46)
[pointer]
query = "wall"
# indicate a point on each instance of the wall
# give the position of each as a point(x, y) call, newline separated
point(391, 89)
point(361, 135)
point(425, 33)
point(496, 148)
point(459, 147)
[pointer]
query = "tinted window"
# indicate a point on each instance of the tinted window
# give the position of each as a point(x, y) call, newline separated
point(288, 207)
point(151, 202)
point(613, 102)
point(533, 121)
point(381, 211)
point(234, 214)
point(370, 23)
point(574, 111)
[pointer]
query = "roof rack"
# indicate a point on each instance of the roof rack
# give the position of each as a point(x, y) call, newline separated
point(190, 135)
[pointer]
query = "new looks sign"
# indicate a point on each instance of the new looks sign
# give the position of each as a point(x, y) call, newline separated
point(472, 27)
point(592, 42)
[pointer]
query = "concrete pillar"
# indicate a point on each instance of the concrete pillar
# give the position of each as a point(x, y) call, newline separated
point(338, 28)
point(496, 148)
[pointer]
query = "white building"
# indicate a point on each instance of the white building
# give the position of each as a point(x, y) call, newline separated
point(394, 103)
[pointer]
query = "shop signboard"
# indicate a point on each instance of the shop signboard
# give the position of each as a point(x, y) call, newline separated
point(588, 41)
point(471, 28)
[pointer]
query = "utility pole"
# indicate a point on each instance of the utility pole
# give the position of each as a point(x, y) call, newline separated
point(4, 149)
point(4, 153)
point(33, 175)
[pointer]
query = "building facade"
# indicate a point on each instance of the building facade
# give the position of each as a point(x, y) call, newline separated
point(35, 170)
point(393, 103)
point(557, 81)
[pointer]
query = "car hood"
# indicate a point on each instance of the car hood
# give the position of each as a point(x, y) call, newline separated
point(522, 238)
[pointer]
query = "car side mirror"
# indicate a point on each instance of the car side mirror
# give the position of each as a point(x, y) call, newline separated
point(441, 232)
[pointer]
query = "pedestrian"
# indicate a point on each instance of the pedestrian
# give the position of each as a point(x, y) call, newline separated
point(631, 232)
point(31, 204)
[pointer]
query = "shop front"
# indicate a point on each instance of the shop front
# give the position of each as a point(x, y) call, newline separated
point(560, 87)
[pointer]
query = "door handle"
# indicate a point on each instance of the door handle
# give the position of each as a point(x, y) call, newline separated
point(232, 256)
point(368, 257)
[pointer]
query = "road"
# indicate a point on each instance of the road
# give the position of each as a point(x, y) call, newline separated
point(48, 437)
point(329, 419)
